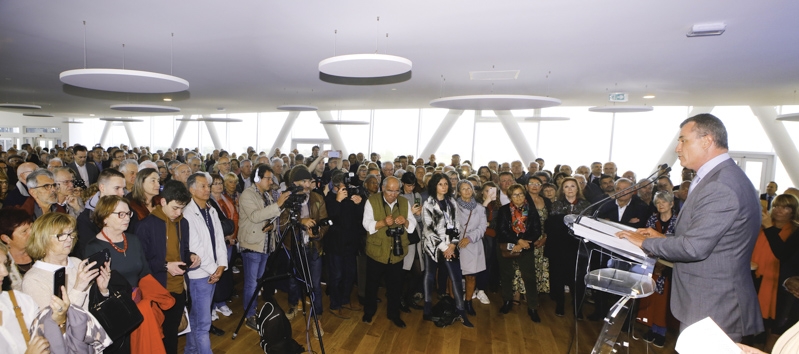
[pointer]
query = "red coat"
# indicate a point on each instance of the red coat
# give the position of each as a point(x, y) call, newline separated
point(154, 298)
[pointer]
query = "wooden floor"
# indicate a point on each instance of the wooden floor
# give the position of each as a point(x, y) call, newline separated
point(492, 332)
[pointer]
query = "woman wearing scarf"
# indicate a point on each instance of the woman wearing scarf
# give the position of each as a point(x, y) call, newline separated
point(473, 259)
point(517, 230)
point(440, 235)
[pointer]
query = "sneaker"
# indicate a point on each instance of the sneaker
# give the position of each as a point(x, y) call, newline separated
point(224, 310)
point(214, 316)
point(659, 341)
point(649, 336)
point(566, 289)
point(481, 295)
point(252, 322)
point(291, 313)
point(321, 331)
point(236, 270)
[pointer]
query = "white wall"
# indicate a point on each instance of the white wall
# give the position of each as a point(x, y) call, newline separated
point(16, 119)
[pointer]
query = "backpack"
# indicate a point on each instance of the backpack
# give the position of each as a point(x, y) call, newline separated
point(444, 313)
point(275, 330)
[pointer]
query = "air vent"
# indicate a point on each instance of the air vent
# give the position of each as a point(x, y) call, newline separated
point(494, 75)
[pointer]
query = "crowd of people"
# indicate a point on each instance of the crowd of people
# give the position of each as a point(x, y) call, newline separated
point(178, 224)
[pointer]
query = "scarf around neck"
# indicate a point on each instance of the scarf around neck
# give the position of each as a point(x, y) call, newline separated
point(470, 205)
point(519, 217)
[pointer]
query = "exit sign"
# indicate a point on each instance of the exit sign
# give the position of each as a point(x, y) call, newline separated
point(617, 97)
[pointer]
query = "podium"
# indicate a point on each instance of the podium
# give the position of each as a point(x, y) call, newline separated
point(625, 271)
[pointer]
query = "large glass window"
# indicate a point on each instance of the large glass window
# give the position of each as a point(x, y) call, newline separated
point(242, 135)
point(356, 137)
point(269, 125)
point(395, 133)
point(163, 131)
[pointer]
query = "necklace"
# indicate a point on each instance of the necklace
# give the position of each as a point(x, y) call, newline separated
point(124, 239)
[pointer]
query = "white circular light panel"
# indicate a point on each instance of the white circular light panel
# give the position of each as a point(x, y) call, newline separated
point(19, 106)
point(123, 80)
point(621, 109)
point(495, 102)
point(297, 108)
point(146, 108)
point(365, 65)
point(344, 122)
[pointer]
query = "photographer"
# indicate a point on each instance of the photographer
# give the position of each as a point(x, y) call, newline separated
point(441, 234)
point(386, 211)
point(257, 212)
point(306, 209)
point(342, 242)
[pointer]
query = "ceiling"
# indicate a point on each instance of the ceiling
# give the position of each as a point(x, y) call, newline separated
point(254, 55)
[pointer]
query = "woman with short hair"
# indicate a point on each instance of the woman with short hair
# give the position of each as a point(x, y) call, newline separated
point(472, 252)
point(15, 229)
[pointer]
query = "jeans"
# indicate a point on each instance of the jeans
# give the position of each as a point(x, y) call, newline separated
point(296, 287)
point(453, 268)
point(341, 274)
point(254, 264)
point(202, 294)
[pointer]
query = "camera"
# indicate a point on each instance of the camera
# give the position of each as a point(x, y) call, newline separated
point(294, 202)
point(452, 233)
point(79, 183)
point(396, 234)
point(323, 222)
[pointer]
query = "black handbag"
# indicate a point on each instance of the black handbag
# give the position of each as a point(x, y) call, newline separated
point(413, 237)
point(118, 314)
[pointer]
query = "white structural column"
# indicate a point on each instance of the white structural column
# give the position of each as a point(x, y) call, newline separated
point(516, 136)
point(104, 134)
point(332, 132)
point(441, 133)
point(669, 155)
point(214, 135)
point(129, 131)
point(783, 145)
point(284, 132)
point(179, 133)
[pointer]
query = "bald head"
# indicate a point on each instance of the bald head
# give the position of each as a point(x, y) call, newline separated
point(24, 170)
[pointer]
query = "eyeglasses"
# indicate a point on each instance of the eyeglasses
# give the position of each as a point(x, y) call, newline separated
point(49, 186)
point(63, 237)
point(534, 184)
point(122, 214)
point(517, 195)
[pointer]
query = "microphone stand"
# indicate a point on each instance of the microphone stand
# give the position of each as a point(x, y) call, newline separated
point(662, 169)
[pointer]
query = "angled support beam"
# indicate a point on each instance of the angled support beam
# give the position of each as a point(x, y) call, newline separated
point(284, 132)
point(780, 139)
point(179, 133)
point(441, 133)
point(332, 133)
point(669, 156)
point(129, 131)
point(214, 135)
point(515, 134)
point(104, 134)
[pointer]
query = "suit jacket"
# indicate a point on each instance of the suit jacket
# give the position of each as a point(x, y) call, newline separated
point(91, 170)
point(764, 196)
point(596, 180)
point(711, 250)
point(636, 209)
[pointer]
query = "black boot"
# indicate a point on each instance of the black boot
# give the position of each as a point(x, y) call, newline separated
point(465, 319)
point(428, 308)
point(469, 309)
point(506, 307)
point(534, 315)
point(559, 311)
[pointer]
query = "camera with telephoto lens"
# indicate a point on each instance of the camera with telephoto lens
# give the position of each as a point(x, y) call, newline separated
point(323, 222)
point(396, 234)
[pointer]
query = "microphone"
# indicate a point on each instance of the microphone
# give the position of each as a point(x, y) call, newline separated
point(651, 179)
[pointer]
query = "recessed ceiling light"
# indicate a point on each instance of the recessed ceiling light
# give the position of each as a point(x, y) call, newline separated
point(167, 100)
point(706, 29)
point(393, 89)
point(91, 115)
point(649, 96)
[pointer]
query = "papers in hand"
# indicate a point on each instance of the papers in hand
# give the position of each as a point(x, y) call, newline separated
point(603, 232)
point(703, 337)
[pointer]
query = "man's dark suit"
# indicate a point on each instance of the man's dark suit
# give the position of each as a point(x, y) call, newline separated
point(595, 180)
point(91, 170)
point(712, 249)
point(636, 209)
point(593, 193)
point(765, 196)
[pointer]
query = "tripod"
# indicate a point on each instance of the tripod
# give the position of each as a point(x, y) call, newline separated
point(299, 269)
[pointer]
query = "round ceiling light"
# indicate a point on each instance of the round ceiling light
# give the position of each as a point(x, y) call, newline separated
point(71, 121)
point(789, 117)
point(218, 120)
point(495, 102)
point(123, 80)
point(37, 115)
point(344, 122)
point(126, 120)
point(19, 106)
point(146, 108)
point(621, 109)
point(297, 108)
point(545, 119)
point(365, 65)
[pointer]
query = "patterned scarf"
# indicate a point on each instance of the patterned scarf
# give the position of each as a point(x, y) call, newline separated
point(519, 217)
point(470, 205)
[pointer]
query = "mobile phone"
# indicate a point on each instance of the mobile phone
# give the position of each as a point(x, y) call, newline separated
point(417, 201)
point(492, 193)
point(183, 267)
point(100, 257)
point(333, 154)
point(59, 280)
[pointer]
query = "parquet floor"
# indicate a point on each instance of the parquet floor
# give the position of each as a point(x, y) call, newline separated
point(493, 332)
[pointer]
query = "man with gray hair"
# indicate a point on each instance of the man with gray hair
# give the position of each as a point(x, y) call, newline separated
point(148, 164)
point(129, 168)
point(245, 172)
point(43, 199)
point(194, 164)
point(54, 163)
point(65, 192)
point(182, 173)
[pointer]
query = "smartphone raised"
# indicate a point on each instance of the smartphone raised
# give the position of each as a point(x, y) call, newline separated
point(100, 257)
point(59, 280)
point(492, 193)
point(333, 154)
